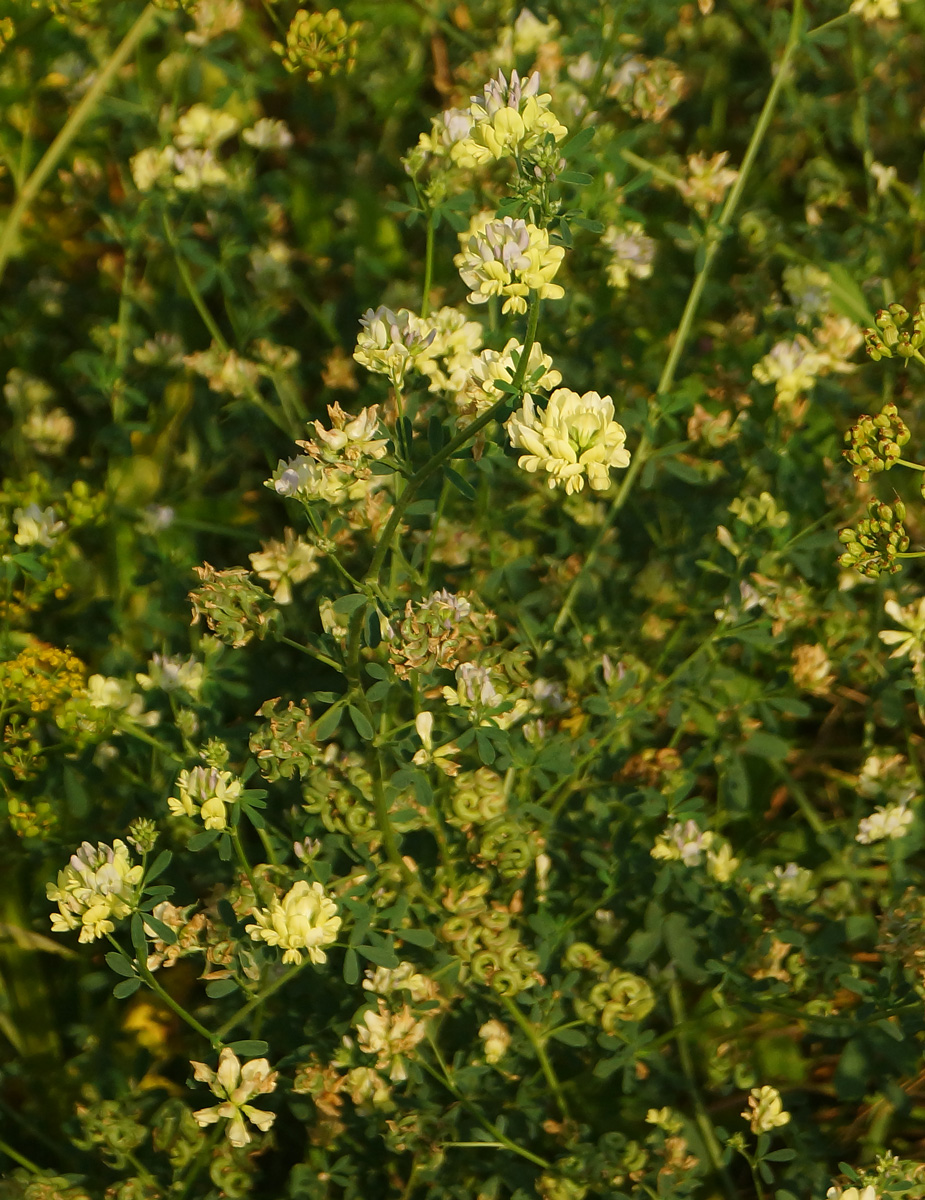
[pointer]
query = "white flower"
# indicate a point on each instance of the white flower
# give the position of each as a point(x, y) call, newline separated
point(793, 883)
point(573, 438)
point(390, 342)
point(201, 127)
point(509, 257)
point(305, 919)
point(36, 526)
point(911, 642)
point(889, 821)
point(350, 437)
point(508, 119)
point(235, 1086)
point(390, 1036)
point(448, 359)
point(48, 432)
point(708, 181)
point(852, 1193)
point(151, 167)
point(173, 674)
point(197, 169)
point(765, 1110)
point(685, 842)
point(876, 10)
point(404, 977)
point(792, 367)
point(496, 1039)
point(205, 792)
point(283, 564)
point(442, 756)
point(494, 366)
point(632, 253)
point(267, 134)
point(95, 889)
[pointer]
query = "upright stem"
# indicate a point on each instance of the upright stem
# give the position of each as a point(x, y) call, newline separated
point(428, 264)
point(713, 238)
point(69, 131)
point(540, 1050)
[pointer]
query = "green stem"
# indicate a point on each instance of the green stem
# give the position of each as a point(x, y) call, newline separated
point(69, 131)
point(191, 288)
point(495, 1132)
point(540, 1050)
point(428, 264)
point(902, 462)
point(316, 654)
point(213, 1039)
point(244, 1012)
point(243, 862)
point(713, 238)
point(643, 164)
point(704, 1124)
point(7, 1149)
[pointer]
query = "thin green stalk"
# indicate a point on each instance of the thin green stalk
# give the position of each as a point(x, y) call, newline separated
point(643, 164)
point(540, 1050)
point(69, 131)
point(191, 288)
point(495, 1132)
point(244, 864)
point(428, 264)
point(244, 1012)
point(713, 238)
point(213, 1039)
point(702, 1117)
point(7, 1149)
point(316, 654)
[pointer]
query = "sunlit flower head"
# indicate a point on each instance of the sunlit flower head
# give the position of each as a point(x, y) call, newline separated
point(509, 257)
point(765, 1110)
point(573, 439)
point(97, 888)
point(305, 919)
point(236, 1086)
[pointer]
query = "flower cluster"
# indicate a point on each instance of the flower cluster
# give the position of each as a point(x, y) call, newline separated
point(334, 469)
point(765, 1110)
point(283, 564)
point(875, 443)
point(508, 257)
point(885, 822)
point(234, 608)
point(205, 792)
point(510, 119)
point(631, 253)
point(889, 337)
point(305, 919)
point(390, 343)
point(449, 355)
point(873, 548)
point(392, 1037)
point(687, 843)
point(190, 162)
point(436, 633)
point(492, 367)
point(98, 887)
point(235, 1087)
point(319, 43)
point(573, 439)
point(707, 181)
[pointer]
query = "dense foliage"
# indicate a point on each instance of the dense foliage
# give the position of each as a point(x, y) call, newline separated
point(528, 403)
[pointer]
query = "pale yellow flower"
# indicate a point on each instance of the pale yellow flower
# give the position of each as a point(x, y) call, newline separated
point(391, 1037)
point(765, 1110)
point(236, 1086)
point(305, 919)
point(497, 366)
point(509, 257)
point(886, 821)
point(97, 888)
point(910, 642)
point(205, 792)
point(574, 438)
point(283, 564)
point(508, 119)
point(496, 1040)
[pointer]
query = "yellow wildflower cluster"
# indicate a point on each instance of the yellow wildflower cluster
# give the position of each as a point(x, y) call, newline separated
point(95, 889)
point(574, 438)
point(504, 256)
point(41, 676)
point(305, 919)
point(508, 119)
point(235, 1086)
point(497, 366)
point(319, 43)
point(205, 792)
